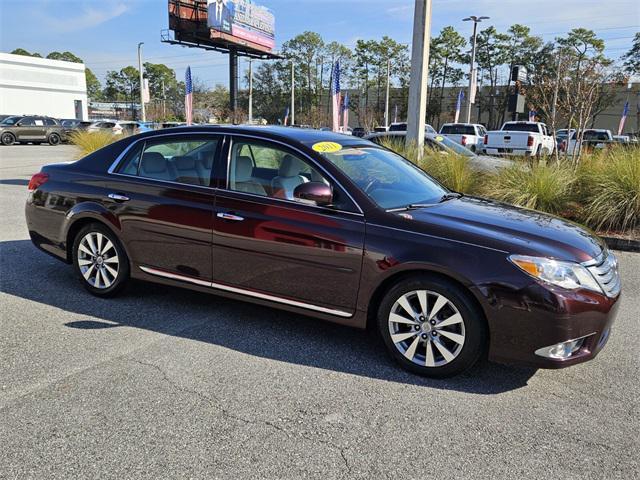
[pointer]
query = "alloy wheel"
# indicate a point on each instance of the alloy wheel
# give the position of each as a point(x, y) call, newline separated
point(427, 328)
point(98, 260)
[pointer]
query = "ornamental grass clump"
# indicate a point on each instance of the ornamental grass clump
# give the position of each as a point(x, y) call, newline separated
point(89, 142)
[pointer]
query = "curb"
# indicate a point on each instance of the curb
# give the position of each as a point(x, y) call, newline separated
point(624, 244)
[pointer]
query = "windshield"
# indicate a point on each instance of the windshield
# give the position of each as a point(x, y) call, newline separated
point(387, 178)
point(10, 121)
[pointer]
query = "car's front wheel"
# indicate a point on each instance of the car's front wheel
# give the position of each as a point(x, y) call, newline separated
point(431, 326)
point(100, 261)
point(54, 139)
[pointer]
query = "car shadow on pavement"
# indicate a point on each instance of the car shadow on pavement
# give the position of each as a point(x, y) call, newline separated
point(243, 327)
point(15, 181)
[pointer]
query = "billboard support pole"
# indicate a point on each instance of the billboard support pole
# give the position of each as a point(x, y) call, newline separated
point(250, 93)
point(233, 83)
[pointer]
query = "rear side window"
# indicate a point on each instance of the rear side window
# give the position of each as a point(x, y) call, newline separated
point(50, 122)
point(458, 130)
point(187, 161)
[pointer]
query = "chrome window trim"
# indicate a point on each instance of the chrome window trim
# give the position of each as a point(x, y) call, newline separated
point(242, 291)
point(305, 156)
point(116, 163)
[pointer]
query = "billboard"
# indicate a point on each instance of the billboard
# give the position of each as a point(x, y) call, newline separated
point(244, 20)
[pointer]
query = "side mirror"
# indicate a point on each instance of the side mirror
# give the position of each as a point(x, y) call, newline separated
point(314, 192)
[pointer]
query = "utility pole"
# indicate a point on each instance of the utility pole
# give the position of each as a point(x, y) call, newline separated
point(142, 112)
point(386, 103)
point(293, 94)
point(164, 101)
point(471, 97)
point(250, 94)
point(419, 74)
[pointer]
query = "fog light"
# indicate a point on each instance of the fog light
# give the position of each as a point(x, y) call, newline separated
point(562, 351)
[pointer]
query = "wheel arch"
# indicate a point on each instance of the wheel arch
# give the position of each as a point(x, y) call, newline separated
point(84, 214)
point(395, 278)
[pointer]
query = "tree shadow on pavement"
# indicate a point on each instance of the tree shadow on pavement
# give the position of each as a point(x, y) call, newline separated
point(251, 329)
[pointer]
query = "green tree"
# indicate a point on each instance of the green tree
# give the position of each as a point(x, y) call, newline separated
point(22, 51)
point(123, 85)
point(492, 52)
point(448, 46)
point(65, 57)
point(304, 50)
point(631, 59)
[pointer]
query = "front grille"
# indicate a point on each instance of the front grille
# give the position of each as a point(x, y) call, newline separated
point(605, 270)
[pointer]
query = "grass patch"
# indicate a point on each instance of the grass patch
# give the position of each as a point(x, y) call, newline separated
point(89, 142)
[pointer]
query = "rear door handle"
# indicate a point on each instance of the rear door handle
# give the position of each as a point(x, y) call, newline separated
point(118, 198)
point(229, 216)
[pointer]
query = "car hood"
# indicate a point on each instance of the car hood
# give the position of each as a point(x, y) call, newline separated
point(508, 228)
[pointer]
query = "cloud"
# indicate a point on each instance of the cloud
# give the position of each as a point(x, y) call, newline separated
point(89, 16)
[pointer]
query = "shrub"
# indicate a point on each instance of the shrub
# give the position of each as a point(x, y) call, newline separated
point(610, 189)
point(549, 188)
point(89, 142)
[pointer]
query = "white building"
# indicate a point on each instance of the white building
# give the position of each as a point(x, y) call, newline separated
point(39, 86)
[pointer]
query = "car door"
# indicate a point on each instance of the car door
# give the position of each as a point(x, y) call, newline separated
point(25, 130)
point(160, 192)
point(268, 243)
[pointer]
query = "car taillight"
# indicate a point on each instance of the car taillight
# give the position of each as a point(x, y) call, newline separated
point(530, 141)
point(37, 180)
point(464, 140)
point(486, 139)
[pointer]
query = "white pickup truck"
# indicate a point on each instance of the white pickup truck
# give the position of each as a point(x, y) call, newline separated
point(468, 135)
point(519, 138)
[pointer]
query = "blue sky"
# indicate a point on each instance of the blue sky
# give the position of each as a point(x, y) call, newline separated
point(105, 33)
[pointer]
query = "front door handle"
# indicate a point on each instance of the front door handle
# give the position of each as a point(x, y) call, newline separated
point(229, 216)
point(118, 198)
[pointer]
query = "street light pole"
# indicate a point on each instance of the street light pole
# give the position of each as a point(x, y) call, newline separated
point(419, 74)
point(472, 66)
point(250, 94)
point(142, 112)
point(293, 95)
point(386, 103)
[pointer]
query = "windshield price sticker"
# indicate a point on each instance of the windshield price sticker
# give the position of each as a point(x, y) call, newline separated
point(327, 147)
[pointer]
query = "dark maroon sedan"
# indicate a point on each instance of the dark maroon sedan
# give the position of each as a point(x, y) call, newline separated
point(335, 227)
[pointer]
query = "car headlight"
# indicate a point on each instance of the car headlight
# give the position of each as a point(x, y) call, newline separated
point(567, 275)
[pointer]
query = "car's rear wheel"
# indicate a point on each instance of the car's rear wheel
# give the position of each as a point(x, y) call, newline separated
point(54, 139)
point(100, 261)
point(431, 326)
point(7, 138)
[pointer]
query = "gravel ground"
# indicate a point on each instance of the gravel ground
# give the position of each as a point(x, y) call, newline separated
point(164, 383)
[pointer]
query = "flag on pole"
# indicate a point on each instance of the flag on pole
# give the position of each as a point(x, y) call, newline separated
point(286, 117)
point(458, 106)
point(532, 115)
point(345, 111)
point(623, 119)
point(335, 96)
point(188, 97)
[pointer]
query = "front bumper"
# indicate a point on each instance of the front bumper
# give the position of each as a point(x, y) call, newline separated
point(538, 316)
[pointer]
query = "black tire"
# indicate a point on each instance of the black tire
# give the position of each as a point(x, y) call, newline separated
point(7, 138)
point(473, 327)
point(54, 139)
point(98, 287)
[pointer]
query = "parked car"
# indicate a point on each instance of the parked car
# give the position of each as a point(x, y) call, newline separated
point(133, 128)
point(562, 136)
point(592, 139)
point(519, 138)
point(469, 135)
point(359, 132)
point(624, 139)
point(402, 127)
point(112, 126)
point(444, 145)
point(172, 124)
point(31, 129)
point(335, 227)
point(72, 125)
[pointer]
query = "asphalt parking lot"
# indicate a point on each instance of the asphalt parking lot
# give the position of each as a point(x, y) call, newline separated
point(163, 383)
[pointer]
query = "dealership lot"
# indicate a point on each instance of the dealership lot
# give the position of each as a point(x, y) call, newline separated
point(164, 383)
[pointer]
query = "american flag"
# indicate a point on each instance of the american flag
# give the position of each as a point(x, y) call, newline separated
point(458, 106)
point(345, 111)
point(335, 96)
point(623, 119)
point(286, 117)
point(532, 115)
point(188, 96)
